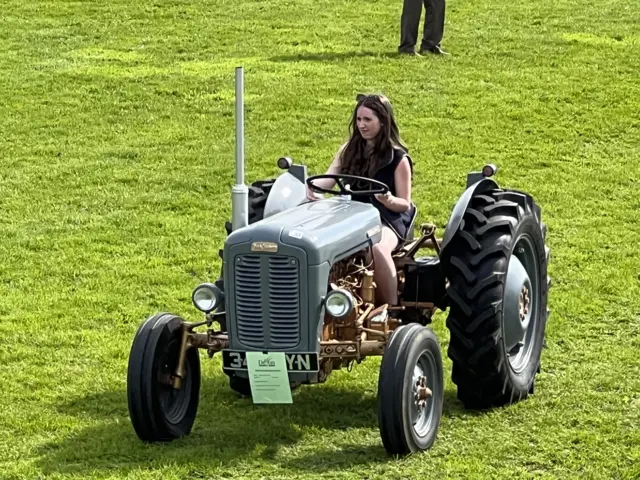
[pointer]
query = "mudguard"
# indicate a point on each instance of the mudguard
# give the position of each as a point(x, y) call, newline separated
point(461, 206)
point(287, 192)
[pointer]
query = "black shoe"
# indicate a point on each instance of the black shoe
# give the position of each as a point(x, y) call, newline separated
point(434, 50)
point(411, 53)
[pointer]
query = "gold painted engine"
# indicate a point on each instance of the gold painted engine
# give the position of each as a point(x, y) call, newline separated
point(366, 327)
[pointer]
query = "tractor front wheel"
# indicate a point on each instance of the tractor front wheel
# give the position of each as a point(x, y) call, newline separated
point(158, 411)
point(410, 390)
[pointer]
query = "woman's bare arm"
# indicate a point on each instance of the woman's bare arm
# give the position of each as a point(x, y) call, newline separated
point(334, 168)
point(401, 201)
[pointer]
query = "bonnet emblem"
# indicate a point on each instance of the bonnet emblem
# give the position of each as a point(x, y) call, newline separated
point(264, 247)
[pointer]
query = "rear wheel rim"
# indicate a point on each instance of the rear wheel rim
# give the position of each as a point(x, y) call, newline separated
point(520, 355)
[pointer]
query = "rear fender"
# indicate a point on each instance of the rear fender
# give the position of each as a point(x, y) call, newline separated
point(461, 206)
point(287, 192)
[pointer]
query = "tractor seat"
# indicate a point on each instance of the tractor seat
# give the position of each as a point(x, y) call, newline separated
point(410, 233)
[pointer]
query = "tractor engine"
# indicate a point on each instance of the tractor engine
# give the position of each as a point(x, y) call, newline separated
point(355, 275)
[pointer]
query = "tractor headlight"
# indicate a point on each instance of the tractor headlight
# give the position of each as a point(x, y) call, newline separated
point(339, 303)
point(206, 297)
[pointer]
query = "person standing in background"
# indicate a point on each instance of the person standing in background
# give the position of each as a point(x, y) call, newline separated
point(433, 27)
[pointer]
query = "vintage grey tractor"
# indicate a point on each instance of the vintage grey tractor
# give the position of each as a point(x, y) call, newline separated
point(297, 277)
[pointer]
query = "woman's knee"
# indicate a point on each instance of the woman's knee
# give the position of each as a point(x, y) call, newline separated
point(389, 239)
point(384, 248)
point(380, 250)
point(382, 253)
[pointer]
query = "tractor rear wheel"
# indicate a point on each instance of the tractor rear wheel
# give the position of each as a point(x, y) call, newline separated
point(496, 265)
point(158, 411)
point(258, 194)
point(410, 390)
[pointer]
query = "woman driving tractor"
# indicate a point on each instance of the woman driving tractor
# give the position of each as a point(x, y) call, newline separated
point(374, 150)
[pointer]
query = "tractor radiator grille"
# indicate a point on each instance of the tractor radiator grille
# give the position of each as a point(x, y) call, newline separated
point(249, 310)
point(267, 297)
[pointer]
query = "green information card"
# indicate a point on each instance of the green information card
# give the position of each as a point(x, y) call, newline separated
point(268, 377)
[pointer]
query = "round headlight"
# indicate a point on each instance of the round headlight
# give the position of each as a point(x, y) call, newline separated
point(339, 303)
point(206, 297)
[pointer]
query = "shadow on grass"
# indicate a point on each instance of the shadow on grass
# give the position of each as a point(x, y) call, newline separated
point(332, 56)
point(340, 458)
point(347, 456)
point(228, 428)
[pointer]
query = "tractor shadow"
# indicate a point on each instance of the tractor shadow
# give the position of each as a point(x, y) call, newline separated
point(228, 428)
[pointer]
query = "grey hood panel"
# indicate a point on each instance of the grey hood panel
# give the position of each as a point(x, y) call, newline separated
point(327, 229)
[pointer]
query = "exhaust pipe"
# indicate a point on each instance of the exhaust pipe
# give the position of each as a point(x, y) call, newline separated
point(239, 192)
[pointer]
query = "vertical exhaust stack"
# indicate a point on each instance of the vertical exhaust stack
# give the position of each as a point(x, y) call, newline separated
point(239, 192)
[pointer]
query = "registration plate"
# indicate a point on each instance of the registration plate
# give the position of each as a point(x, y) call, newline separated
point(296, 362)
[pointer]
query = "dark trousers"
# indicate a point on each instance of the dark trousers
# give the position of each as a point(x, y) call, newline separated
point(410, 23)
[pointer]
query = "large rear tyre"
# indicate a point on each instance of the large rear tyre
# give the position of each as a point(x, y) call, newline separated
point(158, 411)
point(258, 194)
point(410, 390)
point(496, 265)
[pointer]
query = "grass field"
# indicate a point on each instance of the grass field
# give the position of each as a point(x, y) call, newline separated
point(117, 145)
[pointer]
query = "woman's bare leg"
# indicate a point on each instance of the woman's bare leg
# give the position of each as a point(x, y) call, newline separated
point(385, 274)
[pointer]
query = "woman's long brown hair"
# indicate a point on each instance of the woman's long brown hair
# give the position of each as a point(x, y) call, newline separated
point(357, 157)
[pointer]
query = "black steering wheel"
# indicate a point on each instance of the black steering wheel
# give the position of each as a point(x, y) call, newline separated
point(381, 190)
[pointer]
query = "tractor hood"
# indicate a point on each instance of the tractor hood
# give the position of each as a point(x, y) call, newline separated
point(326, 230)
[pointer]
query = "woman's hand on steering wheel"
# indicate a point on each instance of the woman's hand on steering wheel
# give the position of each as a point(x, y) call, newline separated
point(312, 196)
point(385, 199)
point(378, 188)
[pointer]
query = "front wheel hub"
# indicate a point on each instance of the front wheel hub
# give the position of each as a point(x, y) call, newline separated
point(422, 392)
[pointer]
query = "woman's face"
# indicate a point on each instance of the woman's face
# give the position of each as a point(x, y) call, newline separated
point(368, 123)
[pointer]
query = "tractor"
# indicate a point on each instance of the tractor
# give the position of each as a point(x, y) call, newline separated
point(297, 281)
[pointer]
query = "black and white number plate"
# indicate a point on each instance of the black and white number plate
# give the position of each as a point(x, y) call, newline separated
point(296, 362)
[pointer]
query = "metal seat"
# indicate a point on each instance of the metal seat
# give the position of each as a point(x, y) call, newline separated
point(410, 232)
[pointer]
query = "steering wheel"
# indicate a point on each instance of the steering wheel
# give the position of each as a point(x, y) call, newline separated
point(382, 188)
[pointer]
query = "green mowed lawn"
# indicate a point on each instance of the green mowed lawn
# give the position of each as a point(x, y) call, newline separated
point(117, 147)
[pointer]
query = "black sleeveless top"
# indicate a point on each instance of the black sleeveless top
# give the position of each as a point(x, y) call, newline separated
point(398, 222)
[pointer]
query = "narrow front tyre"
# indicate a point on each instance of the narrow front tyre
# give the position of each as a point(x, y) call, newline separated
point(158, 411)
point(410, 390)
